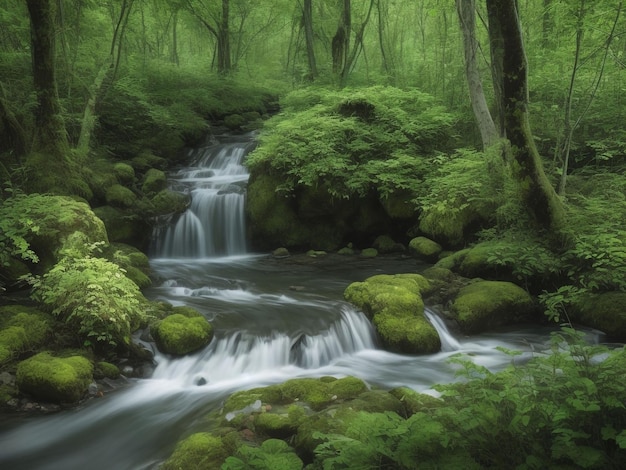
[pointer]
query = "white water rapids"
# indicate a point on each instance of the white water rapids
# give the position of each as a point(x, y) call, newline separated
point(274, 320)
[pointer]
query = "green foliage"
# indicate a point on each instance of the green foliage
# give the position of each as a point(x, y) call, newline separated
point(353, 141)
point(273, 454)
point(94, 296)
point(16, 225)
point(465, 188)
point(563, 409)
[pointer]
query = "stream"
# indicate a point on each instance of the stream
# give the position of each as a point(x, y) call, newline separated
point(274, 320)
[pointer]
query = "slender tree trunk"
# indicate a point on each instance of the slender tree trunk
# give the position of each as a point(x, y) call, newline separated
point(307, 14)
point(351, 54)
point(174, 49)
point(497, 59)
point(223, 41)
point(486, 126)
point(50, 134)
point(537, 193)
point(341, 39)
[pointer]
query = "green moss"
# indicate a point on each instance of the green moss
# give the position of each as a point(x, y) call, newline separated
point(179, 334)
point(198, 451)
point(154, 181)
point(486, 304)
point(239, 400)
point(22, 331)
point(106, 370)
point(124, 172)
point(122, 227)
point(120, 196)
point(453, 261)
point(369, 253)
point(398, 205)
point(275, 425)
point(449, 226)
point(131, 260)
point(424, 248)
point(395, 306)
point(377, 401)
point(54, 379)
point(147, 160)
point(605, 311)
point(234, 121)
point(168, 202)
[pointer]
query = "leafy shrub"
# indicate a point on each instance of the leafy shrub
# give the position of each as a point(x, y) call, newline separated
point(273, 454)
point(94, 296)
point(353, 141)
point(563, 409)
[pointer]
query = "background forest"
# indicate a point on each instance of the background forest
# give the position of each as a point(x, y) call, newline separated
point(512, 158)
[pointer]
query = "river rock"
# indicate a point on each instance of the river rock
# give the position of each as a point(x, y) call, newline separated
point(54, 379)
point(183, 332)
point(394, 304)
point(486, 304)
point(425, 249)
point(200, 450)
point(605, 311)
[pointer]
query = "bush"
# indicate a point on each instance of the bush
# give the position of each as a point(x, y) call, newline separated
point(95, 297)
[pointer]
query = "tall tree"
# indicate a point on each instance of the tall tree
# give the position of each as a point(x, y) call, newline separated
point(467, 19)
point(537, 193)
point(216, 19)
point(307, 19)
point(50, 133)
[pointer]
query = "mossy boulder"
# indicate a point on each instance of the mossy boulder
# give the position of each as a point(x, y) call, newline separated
point(450, 227)
point(147, 160)
point(124, 172)
point(47, 222)
point(123, 227)
point(395, 306)
point(54, 379)
point(413, 402)
point(183, 332)
point(425, 249)
point(120, 196)
point(198, 451)
point(234, 121)
point(369, 253)
point(386, 244)
point(605, 311)
point(22, 329)
point(279, 425)
point(106, 370)
point(168, 202)
point(154, 181)
point(487, 304)
point(133, 261)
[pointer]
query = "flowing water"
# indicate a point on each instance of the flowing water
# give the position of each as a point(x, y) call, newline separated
point(274, 320)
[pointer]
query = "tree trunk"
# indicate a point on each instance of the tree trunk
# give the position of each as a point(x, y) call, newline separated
point(352, 54)
point(50, 134)
point(497, 58)
point(341, 39)
point(486, 126)
point(223, 41)
point(307, 15)
point(538, 195)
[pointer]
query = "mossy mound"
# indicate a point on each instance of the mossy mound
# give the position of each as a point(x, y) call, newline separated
point(183, 332)
point(168, 202)
point(124, 172)
point(394, 304)
point(413, 402)
point(425, 249)
point(21, 330)
point(605, 311)
point(46, 222)
point(120, 196)
point(106, 370)
point(54, 379)
point(369, 253)
point(199, 451)
point(272, 454)
point(154, 181)
point(486, 304)
point(131, 260)
point(123, 227)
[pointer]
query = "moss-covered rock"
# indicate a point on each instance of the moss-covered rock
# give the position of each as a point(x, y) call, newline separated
point(168, 202)
point(106, 370)
point(234, 121)
point(154, 181)
point(147, 160)
point(279, 425)
point(605, 311)
point(22, 330)
point(198, 451)
point(133, 261)
point(120, 196)
point(54, 379)
point(124, 172)
point(386, 244)
point(425, 249)
point(413, 401)
point(122, 226)
point(369, 253)
point(487, 304)
point(449, 227)
point(183, 332)
point(394, 304)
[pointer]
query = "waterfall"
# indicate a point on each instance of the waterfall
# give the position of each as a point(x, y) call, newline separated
point(214, 224)
point(448, 341)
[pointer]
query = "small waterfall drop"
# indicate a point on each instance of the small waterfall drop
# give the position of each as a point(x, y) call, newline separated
point(214, 224)
point(448, 341)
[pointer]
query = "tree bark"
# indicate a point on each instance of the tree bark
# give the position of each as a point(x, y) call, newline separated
point(341, 39)
point(223, 41)
point(467, 18)
point(307, 16)
point(538, 195)
point(50, 134)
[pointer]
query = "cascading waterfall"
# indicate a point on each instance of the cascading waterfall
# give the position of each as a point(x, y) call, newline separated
point(214, 224)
